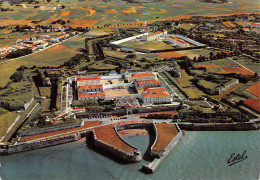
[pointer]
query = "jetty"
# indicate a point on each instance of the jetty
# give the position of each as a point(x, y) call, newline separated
point(167, 137)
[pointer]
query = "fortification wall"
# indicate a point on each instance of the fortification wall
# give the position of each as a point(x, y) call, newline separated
point(10, 149)
point(219, 127)
point(159, 157)
point(49, 129)
point(127, 156)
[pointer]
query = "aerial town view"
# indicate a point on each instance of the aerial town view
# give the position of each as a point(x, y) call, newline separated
point(129, 89)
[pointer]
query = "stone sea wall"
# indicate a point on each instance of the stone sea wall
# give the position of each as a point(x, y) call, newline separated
point(27, 146)
point(219, 127)
point(50, 129)
point(127, 156)
point(159, 157)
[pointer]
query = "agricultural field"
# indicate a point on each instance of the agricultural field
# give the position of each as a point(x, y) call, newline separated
point(229, 24)
point(92, 13)
point(249, 63)
point(55, 55)
point(196, 52)
point(168, 55)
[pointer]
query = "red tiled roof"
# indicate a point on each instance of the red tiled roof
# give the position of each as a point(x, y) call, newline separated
point(147, 82)
point(183, 42)
point(152, 34)
point(173, 37)
point(155, 89)
point(89, 79)
point(154, 95)
point(255, 24)
point(89, 87)
point(143, 75)
point(99, 94)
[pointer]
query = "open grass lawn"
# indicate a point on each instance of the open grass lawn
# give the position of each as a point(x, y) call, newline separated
point(6, 120)
point(193, 92)
point(208, 84)
point(100, 65)
point(114, 53)
point(17, 92)
point(187, 26)
point(185, 79)
point(150, 45)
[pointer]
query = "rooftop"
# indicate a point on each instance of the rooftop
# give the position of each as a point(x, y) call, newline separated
point(155, 89)
point(152, 34)
point(89, 79)
point(89, 87)
point(157, 94)
point(147, 82)
point(98, 94)
point(143, 75)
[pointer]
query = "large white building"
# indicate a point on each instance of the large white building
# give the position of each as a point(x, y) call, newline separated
point(146, 84)
point(178, 42)
point(154, 36)
point(156, 98)
point(141, 77)
point(90, 88)
point(88, 81)
point(91, 95)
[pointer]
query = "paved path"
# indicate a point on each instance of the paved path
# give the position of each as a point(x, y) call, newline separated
point(40, 50)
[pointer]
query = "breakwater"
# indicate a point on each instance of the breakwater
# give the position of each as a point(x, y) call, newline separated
point(130, 156)
point(160, 156)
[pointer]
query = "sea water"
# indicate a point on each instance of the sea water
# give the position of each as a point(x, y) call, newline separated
point(199, 155)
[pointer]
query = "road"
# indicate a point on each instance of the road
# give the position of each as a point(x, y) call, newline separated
point(41, 49)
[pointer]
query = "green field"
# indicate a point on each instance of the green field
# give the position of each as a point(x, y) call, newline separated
point(248, 63)
point(56, 55)
point(6, 119)
point(223, 63)
point(150, 45)
point(124, 12)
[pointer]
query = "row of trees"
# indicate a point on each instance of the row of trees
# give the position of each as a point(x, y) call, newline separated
point(18, 53)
